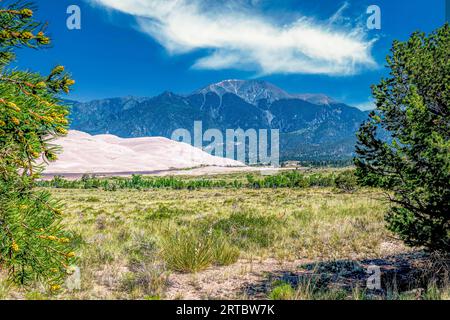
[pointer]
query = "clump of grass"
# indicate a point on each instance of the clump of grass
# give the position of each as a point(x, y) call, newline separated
point(446, 293)
point(100, 255)
point(145, 280)
point(141, 247)
point(225, 254)
point(92, 199)
point(101, 222)
point(282, 291)
point(248, 228)
point(433, 292)
point(193, 251)
point(359, 293)
point(152, 298)
point(308, 288)
point(164, 212)
point(187, 251)
point(4, 289)
point(35, 296)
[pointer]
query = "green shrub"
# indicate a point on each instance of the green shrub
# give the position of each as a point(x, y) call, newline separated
point(346, 181)
point(282, 291)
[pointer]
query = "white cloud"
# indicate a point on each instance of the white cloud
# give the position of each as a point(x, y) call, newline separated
point(367, 105)
point(239, 36)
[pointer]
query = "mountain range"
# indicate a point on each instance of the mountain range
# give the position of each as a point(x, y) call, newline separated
point(313, 127)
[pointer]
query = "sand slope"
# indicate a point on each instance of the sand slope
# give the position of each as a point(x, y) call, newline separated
point(84, 153)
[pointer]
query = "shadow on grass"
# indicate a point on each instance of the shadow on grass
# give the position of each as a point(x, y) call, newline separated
point(411, 273)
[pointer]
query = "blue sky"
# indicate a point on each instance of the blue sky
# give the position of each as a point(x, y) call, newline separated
point(142, 48)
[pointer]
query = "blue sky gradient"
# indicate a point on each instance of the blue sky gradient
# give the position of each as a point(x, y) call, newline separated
point(111, 56)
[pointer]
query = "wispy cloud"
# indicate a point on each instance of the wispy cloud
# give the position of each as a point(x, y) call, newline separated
point(240, 36)
point(339, 15)
point(367, 105)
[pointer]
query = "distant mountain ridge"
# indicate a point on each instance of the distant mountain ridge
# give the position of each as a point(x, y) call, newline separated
point(312, 127)
point(252, 91)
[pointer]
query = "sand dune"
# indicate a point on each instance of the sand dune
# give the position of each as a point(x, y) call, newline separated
point(84, 153)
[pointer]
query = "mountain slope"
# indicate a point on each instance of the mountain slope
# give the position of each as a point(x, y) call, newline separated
point(250, 91)
point(311, 126)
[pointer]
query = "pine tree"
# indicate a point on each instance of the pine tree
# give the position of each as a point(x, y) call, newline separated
point(33, 245)
point(413, 162)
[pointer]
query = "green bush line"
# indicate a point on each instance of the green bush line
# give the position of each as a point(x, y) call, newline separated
point(344, 180)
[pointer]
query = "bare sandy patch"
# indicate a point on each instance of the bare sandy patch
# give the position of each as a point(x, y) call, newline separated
point(227, 282)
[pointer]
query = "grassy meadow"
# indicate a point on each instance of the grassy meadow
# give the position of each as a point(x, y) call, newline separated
point(297, 242)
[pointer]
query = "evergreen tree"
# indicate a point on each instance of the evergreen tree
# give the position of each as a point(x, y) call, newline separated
point(33, 245)
point(414, 162)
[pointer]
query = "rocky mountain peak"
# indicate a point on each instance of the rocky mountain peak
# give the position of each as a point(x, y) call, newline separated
point(253, 91)
point(249, 90)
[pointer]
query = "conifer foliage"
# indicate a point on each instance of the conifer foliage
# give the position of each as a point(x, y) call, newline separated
point(413, 162)
point(33, 245)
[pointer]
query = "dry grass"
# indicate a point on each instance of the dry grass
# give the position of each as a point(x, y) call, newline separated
point(132, 244)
